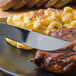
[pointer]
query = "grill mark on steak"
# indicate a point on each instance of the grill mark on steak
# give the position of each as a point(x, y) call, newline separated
point(66, 57)
point(62, 33)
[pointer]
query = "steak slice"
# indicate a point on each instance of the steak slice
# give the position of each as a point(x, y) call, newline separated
point(63, 60)
point(31, 3)
point(41, 2)
point(19, 4)
point(50, 3)
point(61, 3)
point(65, 34)
point(7, 4)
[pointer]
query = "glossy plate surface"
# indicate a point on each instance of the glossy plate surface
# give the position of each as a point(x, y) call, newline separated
point(18, 61)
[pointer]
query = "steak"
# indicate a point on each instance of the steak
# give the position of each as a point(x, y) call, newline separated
point(61, 61)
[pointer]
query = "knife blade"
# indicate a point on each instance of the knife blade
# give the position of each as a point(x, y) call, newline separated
point(32, 39)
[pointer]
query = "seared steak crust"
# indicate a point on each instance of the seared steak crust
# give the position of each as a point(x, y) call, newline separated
point(61, 61)
point(65, 34)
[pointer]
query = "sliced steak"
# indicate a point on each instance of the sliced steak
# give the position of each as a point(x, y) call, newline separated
point(63, 60)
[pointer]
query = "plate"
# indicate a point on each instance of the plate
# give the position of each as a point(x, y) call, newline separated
point(15, 62)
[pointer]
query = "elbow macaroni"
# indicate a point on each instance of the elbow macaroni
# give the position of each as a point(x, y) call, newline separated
point(54, 25)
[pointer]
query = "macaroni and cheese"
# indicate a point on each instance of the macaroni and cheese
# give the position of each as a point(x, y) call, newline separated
point(42, 21)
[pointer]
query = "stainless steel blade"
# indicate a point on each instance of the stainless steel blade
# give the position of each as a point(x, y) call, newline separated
point(32, 39)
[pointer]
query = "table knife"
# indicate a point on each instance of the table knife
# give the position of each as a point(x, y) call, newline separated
point(32, 39)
